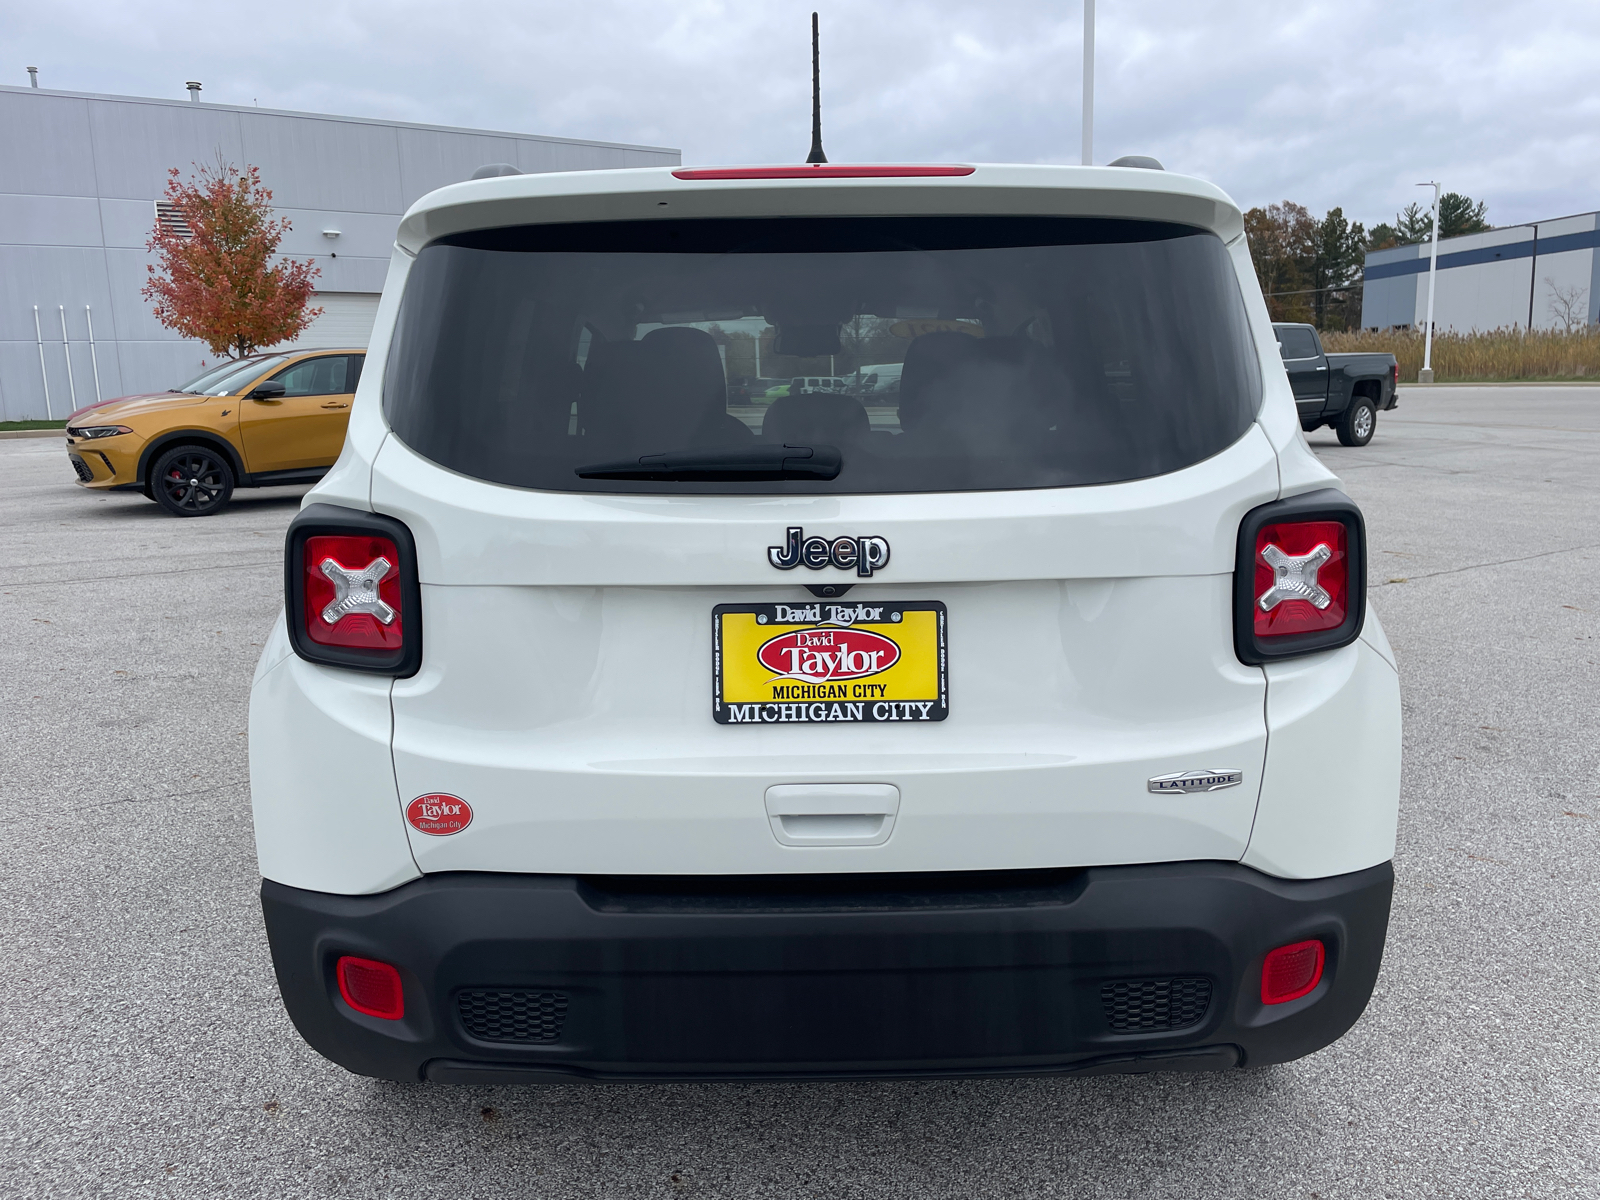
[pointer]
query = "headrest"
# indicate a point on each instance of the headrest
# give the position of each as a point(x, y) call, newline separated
point(978, 387)
point(816, 418)
point(933, 362)
point(612, 376)
point(685, 370)
point(654, 394)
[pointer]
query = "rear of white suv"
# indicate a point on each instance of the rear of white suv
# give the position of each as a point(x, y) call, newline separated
point(1027, 719)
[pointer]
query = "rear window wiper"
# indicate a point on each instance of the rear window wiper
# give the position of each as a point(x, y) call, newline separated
point(748, 464)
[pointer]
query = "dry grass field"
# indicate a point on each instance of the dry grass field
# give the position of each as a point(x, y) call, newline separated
point(1502, 354)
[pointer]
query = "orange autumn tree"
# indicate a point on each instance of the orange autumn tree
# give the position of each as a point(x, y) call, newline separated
point(220, 279)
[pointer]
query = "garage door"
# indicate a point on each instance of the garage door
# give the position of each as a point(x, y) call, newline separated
point(346, 320)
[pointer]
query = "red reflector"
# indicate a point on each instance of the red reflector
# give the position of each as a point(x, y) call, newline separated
point(1302, 578)
point(823, 171)
point(371, 987)
point(352, 592)
point(1291, 972)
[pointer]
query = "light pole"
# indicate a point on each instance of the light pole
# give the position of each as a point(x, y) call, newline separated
point(1426, 374)
point(1088, 83)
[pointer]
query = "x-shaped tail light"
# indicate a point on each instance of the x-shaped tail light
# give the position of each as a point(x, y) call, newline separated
point(1294, 577)
point(356, 591)
point(353, 597)
point(1299, 584)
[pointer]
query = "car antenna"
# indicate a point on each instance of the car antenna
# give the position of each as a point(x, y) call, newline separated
point(816, 155)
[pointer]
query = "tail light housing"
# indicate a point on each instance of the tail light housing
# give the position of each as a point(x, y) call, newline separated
point(1300, 577)
point(351, 593)
point(1292, 971)
point(371, 987)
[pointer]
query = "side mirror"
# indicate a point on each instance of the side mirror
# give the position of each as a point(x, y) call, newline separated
point(271, 389)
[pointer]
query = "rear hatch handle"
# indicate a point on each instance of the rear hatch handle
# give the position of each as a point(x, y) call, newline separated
point(832, 814)
point(746, 464)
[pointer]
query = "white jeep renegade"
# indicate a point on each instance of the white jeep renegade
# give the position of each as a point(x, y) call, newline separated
point(639, 712)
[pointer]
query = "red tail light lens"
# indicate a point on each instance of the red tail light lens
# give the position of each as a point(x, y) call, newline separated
point(371, 987)
point(1299, 577)
point(352, 592)
point(1290, 972)
point(1302, 578)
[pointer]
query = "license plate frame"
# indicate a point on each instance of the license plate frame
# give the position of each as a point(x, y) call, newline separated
point(913, 687)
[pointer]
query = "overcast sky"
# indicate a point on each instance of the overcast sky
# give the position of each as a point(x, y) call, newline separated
point(1325, 103)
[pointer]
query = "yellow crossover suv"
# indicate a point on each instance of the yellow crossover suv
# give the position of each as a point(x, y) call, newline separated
point(252, 422)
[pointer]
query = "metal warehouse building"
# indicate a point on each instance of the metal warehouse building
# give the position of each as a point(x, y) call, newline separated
point(1527, 276)
point(80, 176)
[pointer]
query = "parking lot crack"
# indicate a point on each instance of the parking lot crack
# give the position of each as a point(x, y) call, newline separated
point(164, 796)
point(229, 566)
point(1501, 562)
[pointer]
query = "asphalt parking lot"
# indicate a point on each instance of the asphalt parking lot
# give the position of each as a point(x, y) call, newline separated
point(143, 1049)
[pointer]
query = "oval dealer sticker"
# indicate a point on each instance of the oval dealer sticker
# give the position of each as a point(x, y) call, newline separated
point(439, 814)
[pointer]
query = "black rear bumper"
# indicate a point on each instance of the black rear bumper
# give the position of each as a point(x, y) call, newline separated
point(530, 978)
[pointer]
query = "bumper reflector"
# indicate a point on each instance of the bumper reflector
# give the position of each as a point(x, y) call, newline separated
point(371, 987)
point(1290, 972)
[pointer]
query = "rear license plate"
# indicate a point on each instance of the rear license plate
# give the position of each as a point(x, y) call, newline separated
point(829, 661)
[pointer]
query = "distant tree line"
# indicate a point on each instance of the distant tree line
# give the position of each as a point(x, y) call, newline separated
point(1310, 269)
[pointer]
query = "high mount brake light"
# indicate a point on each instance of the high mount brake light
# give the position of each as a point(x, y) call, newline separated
point(371, 987)
point(352, 598)
point(1300, 578)
point(826, 171)
point(1290, 972)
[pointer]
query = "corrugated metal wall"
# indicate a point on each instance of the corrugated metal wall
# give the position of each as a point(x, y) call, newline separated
point(79, 177)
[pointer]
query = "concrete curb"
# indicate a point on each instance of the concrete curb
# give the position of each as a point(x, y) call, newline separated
point(32, 433)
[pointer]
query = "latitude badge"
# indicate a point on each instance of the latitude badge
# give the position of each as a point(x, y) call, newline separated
point(1187, 782)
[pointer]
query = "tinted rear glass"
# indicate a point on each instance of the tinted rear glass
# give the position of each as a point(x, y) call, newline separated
point(930, 354)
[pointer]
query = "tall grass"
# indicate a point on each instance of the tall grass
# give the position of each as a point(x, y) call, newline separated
point(1498, 354)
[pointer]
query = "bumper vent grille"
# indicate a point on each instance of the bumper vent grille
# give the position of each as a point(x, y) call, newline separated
point(513, 1014)
point(1136, 1005)
point(85, 475)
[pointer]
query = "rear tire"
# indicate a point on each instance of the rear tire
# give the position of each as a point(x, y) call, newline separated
point(1359, 421)
point(191, 481)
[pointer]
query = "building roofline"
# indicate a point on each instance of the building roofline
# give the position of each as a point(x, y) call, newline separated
point(288, 112)
point(1527, 224)
point(1492, 229)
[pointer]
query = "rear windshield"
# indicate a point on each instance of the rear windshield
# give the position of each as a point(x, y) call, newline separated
point(825, 355)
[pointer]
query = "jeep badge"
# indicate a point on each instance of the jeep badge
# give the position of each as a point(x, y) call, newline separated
point(865, 554)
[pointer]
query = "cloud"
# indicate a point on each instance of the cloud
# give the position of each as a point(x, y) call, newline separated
point(1328, 104)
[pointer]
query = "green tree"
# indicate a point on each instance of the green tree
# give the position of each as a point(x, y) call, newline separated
point(1458, 214)
point(1413, 224)
point(1335, 269)
point(1383, 236)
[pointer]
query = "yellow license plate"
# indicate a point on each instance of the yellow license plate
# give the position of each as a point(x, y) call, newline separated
point(829, 660)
